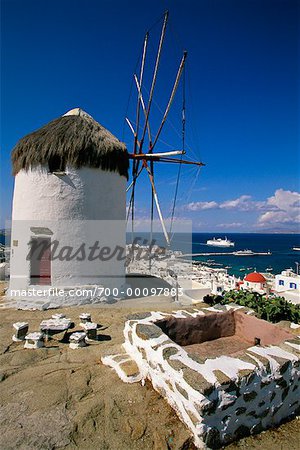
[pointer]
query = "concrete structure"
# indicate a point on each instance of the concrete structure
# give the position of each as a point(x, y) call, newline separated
point(77, 340)
point(90, 329)
point(205, 364)
point(84, 318)
point(69, 175)
point(255, 282)
point(287, 285)
point(21, 329)
point(34, 340)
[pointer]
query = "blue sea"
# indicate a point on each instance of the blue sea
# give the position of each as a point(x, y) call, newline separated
point(280, 245)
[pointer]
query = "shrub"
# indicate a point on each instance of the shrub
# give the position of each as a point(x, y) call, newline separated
point(273, 309)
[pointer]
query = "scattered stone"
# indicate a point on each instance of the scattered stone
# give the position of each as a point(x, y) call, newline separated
point(240, 410)
point(138, 316)
point(130, 368)
point(21, 331)
point(263, 361)
point(248, 396)
point(145, 331)
point(277, 408)
point(182, 391)
point(226, 419)
point(176, 364)
point(197, 358)
point(77, 340)
point(264, 383)
point(281, 382)
point(169, 351)
point(54, 326)
point(34, 340)
point(227, 438)
point(84, 318)
point(209, 407)
point(226, 383)
point(91, 330)
point(197, 381)
point(58, 316)
point(256, 429)
point(227, 400)
point(212, 438)
point(285, 366)
point(242, 431)
point(285, 393)
point(264, 413)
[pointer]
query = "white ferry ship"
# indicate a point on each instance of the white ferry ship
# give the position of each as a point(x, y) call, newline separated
point(220, 242)
point(244, 253)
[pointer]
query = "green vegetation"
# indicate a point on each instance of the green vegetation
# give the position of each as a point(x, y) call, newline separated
point(273, 309)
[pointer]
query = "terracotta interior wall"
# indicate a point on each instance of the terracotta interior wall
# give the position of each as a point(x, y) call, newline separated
point(196, 330)
point(250, 327)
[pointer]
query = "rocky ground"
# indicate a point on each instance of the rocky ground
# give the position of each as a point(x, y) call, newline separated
point(58, 398)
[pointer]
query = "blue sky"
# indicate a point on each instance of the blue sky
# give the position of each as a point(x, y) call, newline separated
point(242, 102)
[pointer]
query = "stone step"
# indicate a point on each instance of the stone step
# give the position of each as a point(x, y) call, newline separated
point(125, 367)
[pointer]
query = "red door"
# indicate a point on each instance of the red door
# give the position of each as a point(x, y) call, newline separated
point(41, 261)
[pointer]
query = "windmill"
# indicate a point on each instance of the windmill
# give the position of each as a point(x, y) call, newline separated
point(144, 159)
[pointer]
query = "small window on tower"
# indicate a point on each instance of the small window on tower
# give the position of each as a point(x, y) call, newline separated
point(56, 164)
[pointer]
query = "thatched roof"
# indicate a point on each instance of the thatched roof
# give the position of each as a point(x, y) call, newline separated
point(77, 140)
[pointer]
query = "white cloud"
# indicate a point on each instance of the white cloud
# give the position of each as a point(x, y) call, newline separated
point(230, 225)
point(285, 209)
point(237, 203)
point(280, 211)
point(197, 206)
point(242, 203)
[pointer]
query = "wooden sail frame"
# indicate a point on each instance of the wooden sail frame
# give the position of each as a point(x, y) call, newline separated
point(149, 158)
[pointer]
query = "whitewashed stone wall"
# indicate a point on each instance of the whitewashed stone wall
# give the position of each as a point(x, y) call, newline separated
point(222, 399)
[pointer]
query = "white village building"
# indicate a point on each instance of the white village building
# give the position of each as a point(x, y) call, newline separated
point(287, 285)
point(69, 175)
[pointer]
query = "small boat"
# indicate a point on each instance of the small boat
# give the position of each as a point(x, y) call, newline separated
point(249, 268)
point(244, 253)
point(219, 242)
point(242, 269)
point(228, 267)
point(269, 269)
point(296, 249)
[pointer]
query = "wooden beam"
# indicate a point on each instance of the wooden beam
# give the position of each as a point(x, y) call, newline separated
point(163, 32)
point(160, 158)
point(181, 66)
point(157, 205)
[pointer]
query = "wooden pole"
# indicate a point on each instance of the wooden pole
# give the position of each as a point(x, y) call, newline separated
point(157, 204)
point(163, 32)
point(143, 104)
point(181, 66)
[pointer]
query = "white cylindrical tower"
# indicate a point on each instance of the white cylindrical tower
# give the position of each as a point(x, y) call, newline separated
point(69, 206)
